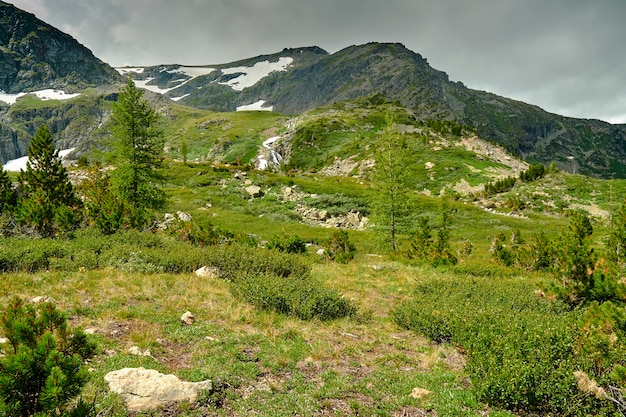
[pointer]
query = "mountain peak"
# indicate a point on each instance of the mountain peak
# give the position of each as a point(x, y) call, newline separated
point(35, 55)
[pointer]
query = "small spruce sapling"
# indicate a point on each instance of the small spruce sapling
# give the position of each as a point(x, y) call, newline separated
point(41, 369)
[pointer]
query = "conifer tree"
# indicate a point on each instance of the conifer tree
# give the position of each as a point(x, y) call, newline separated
point(616, 243)
point(103, 207)
point(49, 202)
point(390, 209)
point(41, 366)
point(138, 155)
point(8, 196)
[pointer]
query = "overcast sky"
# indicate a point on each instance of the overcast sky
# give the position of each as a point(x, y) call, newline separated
point(566, 56)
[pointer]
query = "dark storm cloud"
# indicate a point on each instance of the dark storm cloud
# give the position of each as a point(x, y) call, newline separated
point(563, 55)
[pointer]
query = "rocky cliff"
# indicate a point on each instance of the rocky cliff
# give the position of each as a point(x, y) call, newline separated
point(34, 55)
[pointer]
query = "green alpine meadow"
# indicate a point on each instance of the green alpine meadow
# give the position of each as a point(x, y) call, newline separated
point(200, 242)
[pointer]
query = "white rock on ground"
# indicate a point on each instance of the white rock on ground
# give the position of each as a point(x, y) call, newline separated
point(147, 389)
point(188, 318)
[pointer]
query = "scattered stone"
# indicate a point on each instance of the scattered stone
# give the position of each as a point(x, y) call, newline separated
point(354, 219)
point(41, 299)
point(3, 340)
point(187, 318)
point(136, 351)
point(323, 215)
point(377, 267)
point(321, 252)
point(287, 191)
point(429, 165)
point(91, 330)
point(184, 217)
point(147, 389)
point(168, 218)
point(254, 191)
point(210, 339)
point(208, 272)
point(419, 393)
point(247, 183)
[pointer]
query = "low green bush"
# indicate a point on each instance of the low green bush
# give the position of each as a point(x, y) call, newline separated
point(135, 251)
point(522, 350)
point(289, 244)
point(301, 297)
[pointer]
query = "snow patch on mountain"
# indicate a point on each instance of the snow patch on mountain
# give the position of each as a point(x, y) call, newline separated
point(252, 75)
point(190, 72)
point(19, 164)
point(255, 106)
point(48, 94)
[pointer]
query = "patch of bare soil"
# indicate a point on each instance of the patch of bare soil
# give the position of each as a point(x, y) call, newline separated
point(174, 355)
point(414, 412)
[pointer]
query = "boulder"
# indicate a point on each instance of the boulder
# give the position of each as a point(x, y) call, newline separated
point(147, 389)
point(354, 219)
point(208, 272)
point(254, 191)
point(184, 217)
point(188, 318)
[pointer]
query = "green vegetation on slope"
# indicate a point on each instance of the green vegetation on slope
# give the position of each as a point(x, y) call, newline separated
point(285, 334)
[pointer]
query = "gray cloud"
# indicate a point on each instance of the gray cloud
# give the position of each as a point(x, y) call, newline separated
point(563, 55)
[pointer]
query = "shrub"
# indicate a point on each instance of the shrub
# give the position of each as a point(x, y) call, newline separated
point(533, 173)
point(500, 186)
point(584, 278)
point(521, 349)
point(339, 248)
point(339, 204)
point(42, 369)
point(289, 244)
point(297, 296)
point(236, 259)
point(499, 251)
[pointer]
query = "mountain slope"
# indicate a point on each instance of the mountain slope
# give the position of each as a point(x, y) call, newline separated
point(34, 55)
point(36, 58)
point(314, 78)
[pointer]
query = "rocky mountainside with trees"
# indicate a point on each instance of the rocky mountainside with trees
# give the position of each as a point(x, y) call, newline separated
point(315, 79)
point(35, 55)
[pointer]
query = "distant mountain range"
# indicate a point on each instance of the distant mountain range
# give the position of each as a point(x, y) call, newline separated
point(35, 56)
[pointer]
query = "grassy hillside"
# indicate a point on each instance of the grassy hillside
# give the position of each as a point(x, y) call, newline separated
point(472, 334)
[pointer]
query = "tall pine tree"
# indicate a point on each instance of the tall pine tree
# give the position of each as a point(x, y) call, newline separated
point(49, 204)
point(390, 209)
point(138, 155)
